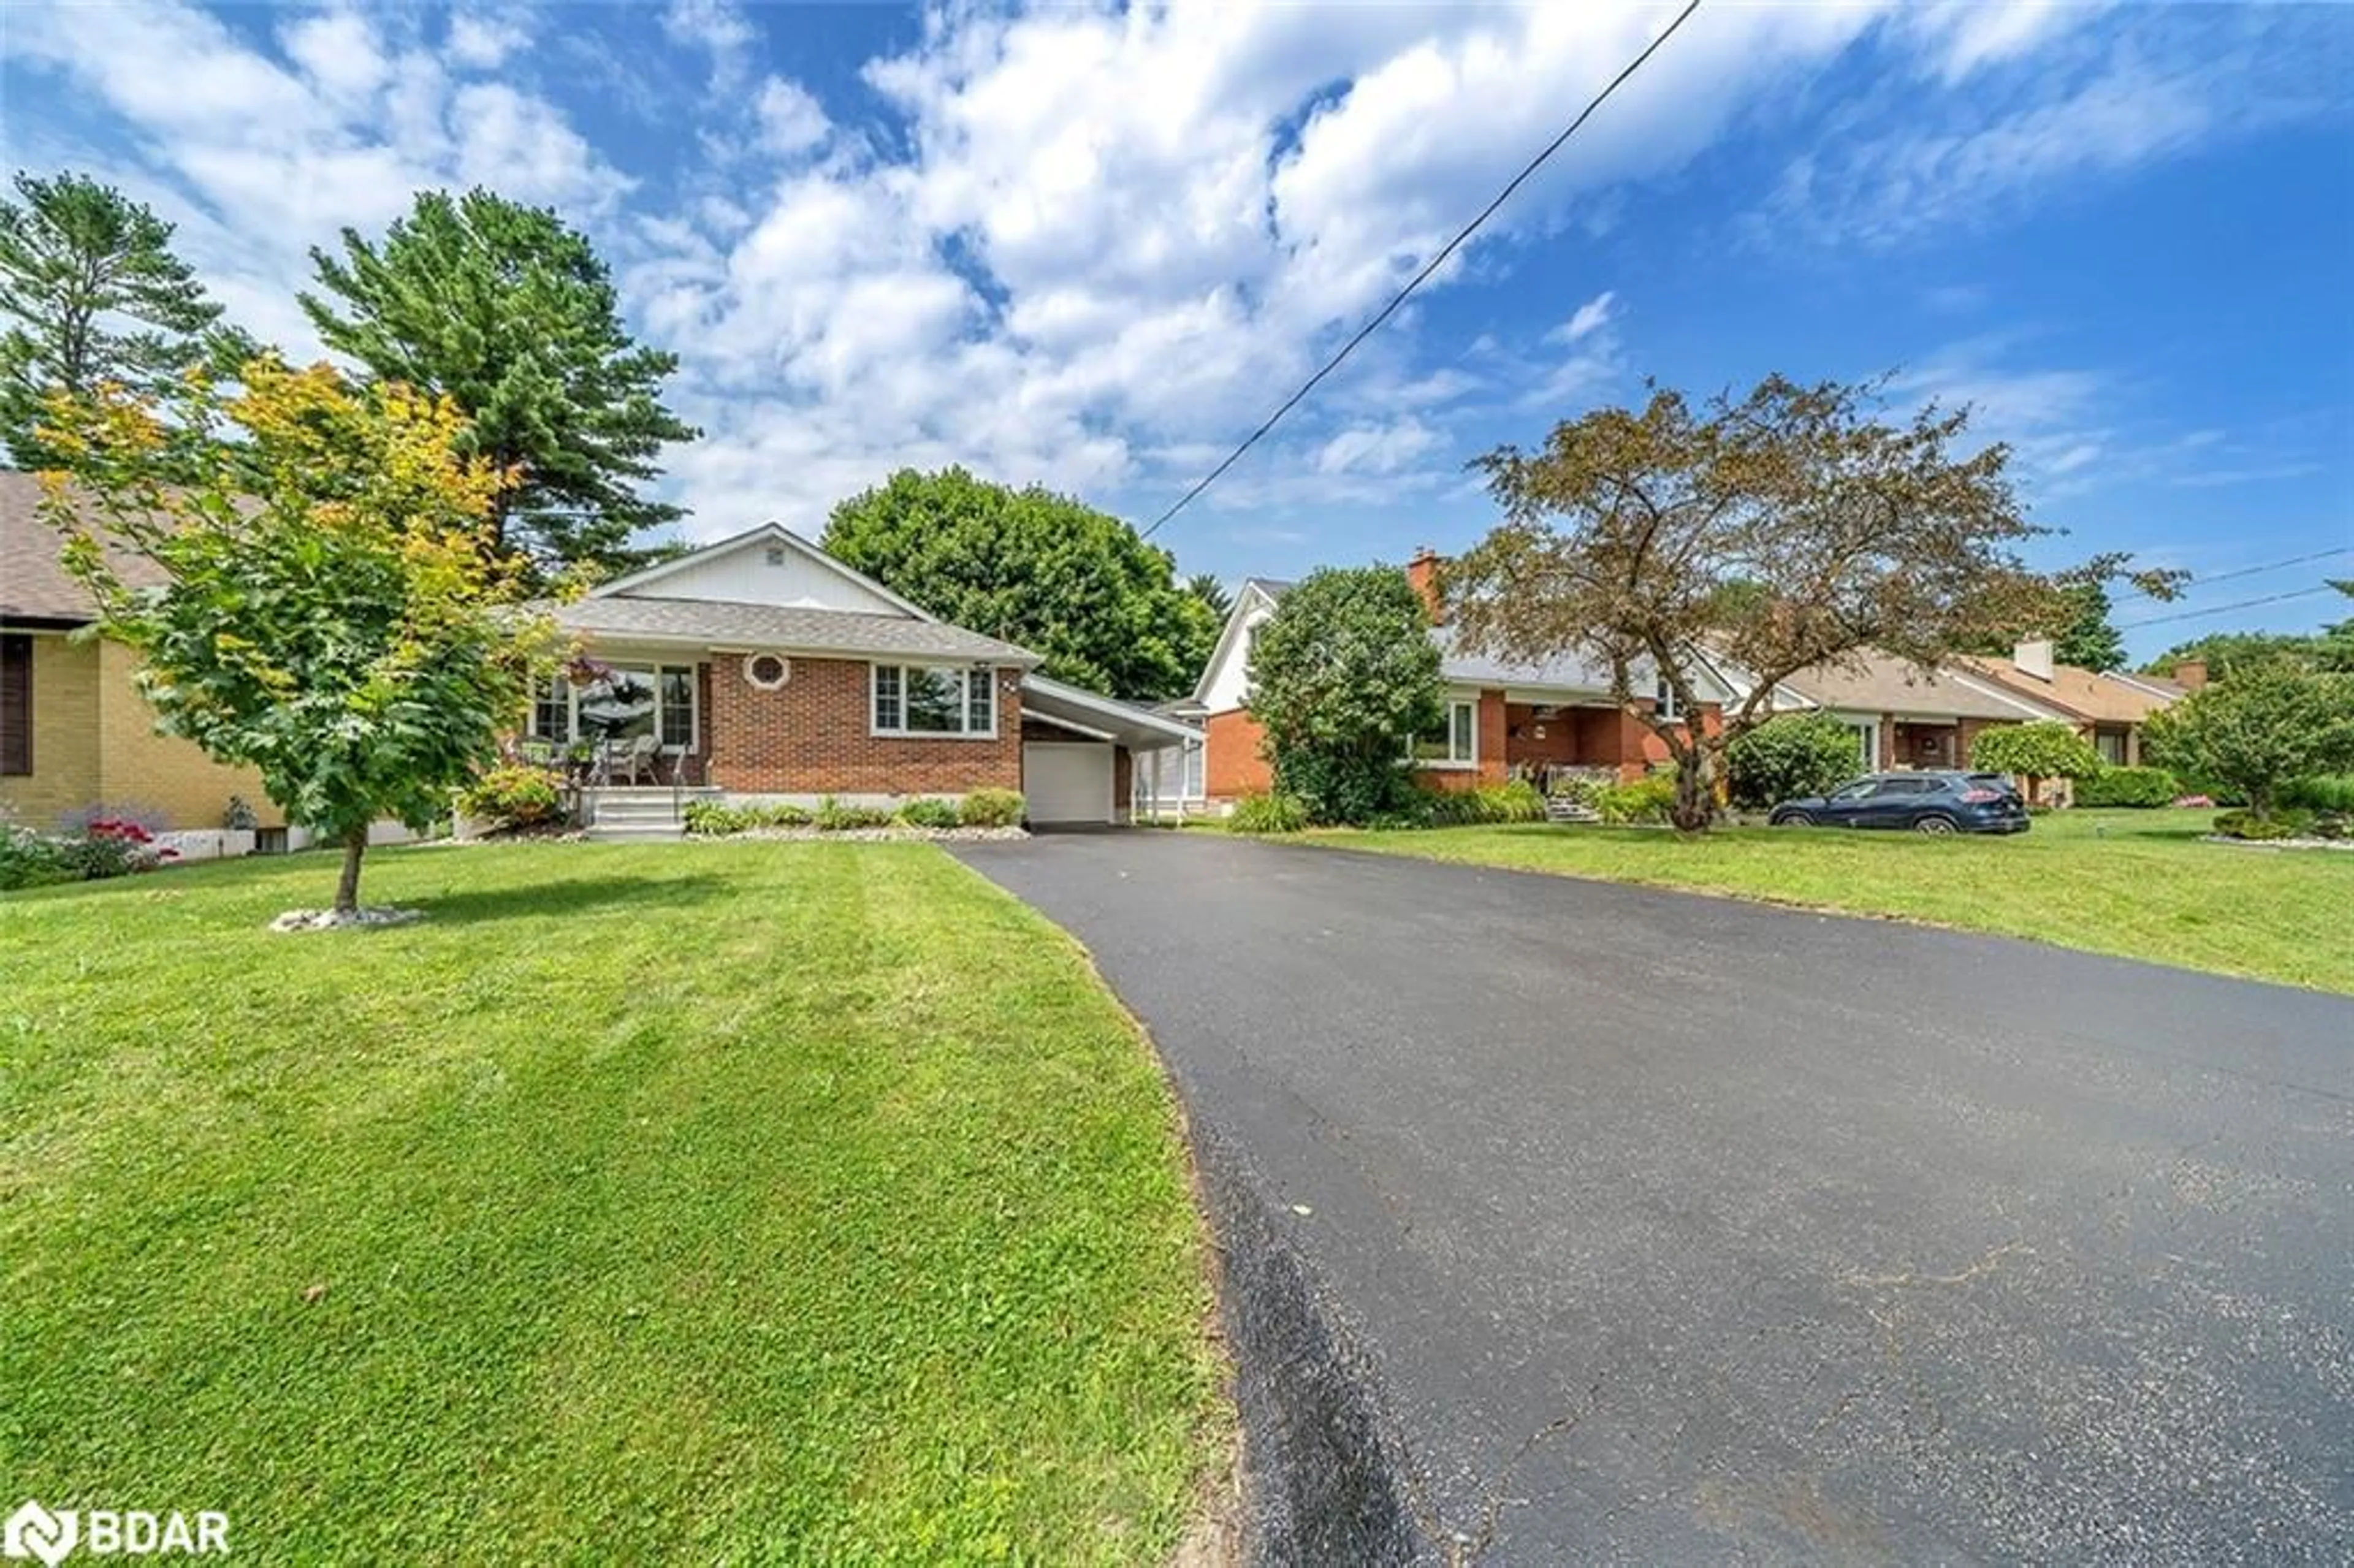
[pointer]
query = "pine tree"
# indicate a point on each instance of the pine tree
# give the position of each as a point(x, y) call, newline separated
point(511, 314)
point(94, 296)
point(2089, 642)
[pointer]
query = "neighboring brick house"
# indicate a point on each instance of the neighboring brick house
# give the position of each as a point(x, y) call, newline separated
point(2108, 709)
point(1501, 719)
point(1904, 716)
point(76, 737)
point(760, 668)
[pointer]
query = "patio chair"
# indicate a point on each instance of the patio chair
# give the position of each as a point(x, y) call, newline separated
point(643, 756)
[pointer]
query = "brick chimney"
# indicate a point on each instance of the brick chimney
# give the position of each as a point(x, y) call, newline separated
point(2034, 658)
point(2190, 673)
point(1423, 573)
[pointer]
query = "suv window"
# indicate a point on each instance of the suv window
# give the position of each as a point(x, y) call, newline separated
point(1906, 785)
point(1855, 791)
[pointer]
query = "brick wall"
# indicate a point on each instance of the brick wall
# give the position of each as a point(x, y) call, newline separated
point(810, 736)
point(94, 744)
point(1232, 764)
point(65, 734)
point(163, 773)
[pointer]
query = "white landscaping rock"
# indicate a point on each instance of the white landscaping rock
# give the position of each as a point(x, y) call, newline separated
point(332, 919)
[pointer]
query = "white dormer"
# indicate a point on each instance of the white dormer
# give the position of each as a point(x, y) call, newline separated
point(768, 565)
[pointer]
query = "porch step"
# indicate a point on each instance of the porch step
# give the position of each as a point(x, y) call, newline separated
point(641, 813)
point(609, 832)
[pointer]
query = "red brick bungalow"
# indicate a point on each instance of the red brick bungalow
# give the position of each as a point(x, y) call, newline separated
point(1502, 719)
point(760, 668)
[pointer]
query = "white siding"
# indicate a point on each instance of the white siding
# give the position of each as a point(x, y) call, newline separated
point(748, 575)
point(1229, 681)
point(1181, 774)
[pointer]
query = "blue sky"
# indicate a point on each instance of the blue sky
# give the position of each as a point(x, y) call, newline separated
point(1094, 247)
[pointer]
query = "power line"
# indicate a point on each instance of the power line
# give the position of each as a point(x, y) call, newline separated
point(2246, 572)
point(1433, 265)
point(2224, 608)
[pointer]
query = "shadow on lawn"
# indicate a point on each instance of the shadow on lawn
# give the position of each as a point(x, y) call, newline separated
point(572, 896)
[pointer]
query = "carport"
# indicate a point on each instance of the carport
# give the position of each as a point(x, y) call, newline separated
point(1078, 751)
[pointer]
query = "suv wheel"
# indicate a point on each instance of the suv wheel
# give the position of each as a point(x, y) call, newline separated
point(1791, 820)
point(1937, 826)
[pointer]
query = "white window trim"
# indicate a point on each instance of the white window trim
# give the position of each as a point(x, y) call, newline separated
point(1469, 764)
point(1867, 741)
point(1664, 707)
point(572, 735)
point(970, 673)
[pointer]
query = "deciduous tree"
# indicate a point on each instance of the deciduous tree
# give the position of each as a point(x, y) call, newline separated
point(1791, 528)
point(510, 314)
point(1789, 755)
point(2045, 748)
point(333, 609)
point(1075, 585)
point(1344, 677)
point(2258, 729)
point(93, 295)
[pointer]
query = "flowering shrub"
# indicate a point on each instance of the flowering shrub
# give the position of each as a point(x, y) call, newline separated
point(104, 847)
point(514, 795)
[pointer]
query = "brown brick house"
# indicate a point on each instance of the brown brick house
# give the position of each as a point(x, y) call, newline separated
point(760, 668)
point(1501, 719)
point(2108, 708)
point(1904, 716)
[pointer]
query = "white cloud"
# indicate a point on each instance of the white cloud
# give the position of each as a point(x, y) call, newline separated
point(792, 121)
point(1383, 449)
point(1087, 246)
point(1591, 317)
point(256, 157)
point(481, 41)
point(2046, 109)
point(716, 28)
point(1962, 36)
point(339, 52)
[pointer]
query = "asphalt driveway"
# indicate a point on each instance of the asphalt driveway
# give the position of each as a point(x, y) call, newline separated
point(1670, 1228)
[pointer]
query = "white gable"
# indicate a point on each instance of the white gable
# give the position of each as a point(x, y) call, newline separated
point(1225, 683)
point(767, 566)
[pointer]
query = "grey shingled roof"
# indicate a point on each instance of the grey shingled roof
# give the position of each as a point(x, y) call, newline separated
point(789, 627)
point(1564, 670)
point(33, 581)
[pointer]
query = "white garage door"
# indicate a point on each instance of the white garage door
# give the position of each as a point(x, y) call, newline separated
point(1067, 782)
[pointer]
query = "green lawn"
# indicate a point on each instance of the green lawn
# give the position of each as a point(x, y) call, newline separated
point(2139, 883)
point(742, 1203)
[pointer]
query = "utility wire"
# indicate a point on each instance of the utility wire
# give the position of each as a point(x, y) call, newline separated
point(2244, 572)
point(2222, 609)
point(1433, 265)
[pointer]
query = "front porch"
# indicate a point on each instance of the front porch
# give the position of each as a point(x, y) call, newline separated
point(1493, 735)
point(1546, 742)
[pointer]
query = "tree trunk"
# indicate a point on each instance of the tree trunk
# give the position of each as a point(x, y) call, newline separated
point(1695, 805)
point(347, 888)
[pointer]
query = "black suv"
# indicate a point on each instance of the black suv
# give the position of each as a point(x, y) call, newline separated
point(1927, 803)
